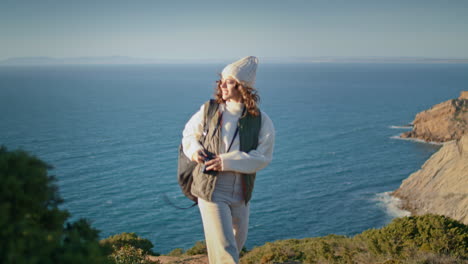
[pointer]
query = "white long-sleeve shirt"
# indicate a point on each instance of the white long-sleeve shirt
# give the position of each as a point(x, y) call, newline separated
point(234, 160)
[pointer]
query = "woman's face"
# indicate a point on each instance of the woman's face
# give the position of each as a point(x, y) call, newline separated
point(229, 90)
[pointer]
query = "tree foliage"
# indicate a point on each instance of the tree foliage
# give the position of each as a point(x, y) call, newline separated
point(32, 227)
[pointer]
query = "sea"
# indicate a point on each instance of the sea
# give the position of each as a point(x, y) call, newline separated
point(111, 133)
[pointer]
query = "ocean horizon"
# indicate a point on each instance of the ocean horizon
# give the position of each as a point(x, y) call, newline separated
point(111, 132)
point(127, 60)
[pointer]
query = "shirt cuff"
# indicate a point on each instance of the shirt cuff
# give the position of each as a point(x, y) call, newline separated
point(225, 163)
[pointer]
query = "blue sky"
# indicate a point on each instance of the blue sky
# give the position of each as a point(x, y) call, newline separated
point(198, 30)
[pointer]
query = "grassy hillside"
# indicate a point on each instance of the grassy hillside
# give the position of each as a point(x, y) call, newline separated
point(418, 239)
point(34, 230)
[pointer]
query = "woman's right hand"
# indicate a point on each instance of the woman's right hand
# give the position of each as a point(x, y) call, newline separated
point(199, 156)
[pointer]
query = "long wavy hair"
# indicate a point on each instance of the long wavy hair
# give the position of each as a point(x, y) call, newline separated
point(249, 95)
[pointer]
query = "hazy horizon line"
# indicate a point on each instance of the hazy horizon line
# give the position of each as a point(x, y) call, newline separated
point(117, 59)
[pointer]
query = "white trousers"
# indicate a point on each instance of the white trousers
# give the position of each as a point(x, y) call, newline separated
point(225, 222)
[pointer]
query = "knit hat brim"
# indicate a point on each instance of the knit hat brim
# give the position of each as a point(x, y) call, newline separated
point(243, 71)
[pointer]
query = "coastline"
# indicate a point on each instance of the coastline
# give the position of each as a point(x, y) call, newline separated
point(415, 139)
point(392, 204)
point(439, 186)
point(418, 140)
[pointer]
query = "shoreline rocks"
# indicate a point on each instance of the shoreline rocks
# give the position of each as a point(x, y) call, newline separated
point(441, 185)
point(443, 122)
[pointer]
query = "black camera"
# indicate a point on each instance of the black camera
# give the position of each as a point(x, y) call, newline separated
point(209, 156)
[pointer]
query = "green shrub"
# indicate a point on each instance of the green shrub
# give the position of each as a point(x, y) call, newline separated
point(417, 239)
point(32, 227)
point(130, 239)
point(243, 251)
point(176, 252)
point(128, 254)
point(429, 233)
point(329, 249)
point(197, 249)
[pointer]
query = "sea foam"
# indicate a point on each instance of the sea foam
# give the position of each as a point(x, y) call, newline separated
point(391, 205)
point(401, 127)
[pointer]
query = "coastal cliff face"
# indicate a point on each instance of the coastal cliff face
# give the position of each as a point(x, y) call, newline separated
point(441, 185)
point(443, 122)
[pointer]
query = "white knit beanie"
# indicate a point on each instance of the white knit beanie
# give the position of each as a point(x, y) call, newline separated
point(243, 70)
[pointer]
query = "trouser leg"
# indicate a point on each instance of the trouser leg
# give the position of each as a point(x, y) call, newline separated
point(218, 226)
point(240, 222)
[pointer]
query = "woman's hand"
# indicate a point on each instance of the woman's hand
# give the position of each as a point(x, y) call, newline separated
point(199, 156)
point(215, 164)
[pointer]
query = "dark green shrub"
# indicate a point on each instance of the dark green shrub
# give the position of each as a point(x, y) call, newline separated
point(329, 249)
point(243, 251)
point(127, 254)
point(80, 244)
point(197, 249)
point(176, 252)
point(430, 233)
point(418, 239)
point(31, 224)
point(130, 239)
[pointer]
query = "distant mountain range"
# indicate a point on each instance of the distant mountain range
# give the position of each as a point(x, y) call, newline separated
point(132, 60)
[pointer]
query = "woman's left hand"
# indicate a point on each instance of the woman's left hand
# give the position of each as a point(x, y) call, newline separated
point(215, 164)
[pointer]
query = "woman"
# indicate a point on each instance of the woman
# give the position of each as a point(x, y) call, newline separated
point(239, 142)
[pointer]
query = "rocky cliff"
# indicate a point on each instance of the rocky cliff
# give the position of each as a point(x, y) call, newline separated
point(441, 185)
point(443, 122)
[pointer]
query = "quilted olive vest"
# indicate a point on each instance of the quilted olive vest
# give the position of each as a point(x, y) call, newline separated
point(249, 129)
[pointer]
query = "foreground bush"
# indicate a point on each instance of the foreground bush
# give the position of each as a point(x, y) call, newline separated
point(176, 252)
point(428, 233)
point(416, 239)
point(198, 249)
point(127, 254)
point(129, 239)
point(307, 250)
point(32, 227)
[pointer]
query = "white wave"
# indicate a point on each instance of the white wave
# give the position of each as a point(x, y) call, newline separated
point(401, 127)
point(391, 205)
point(418, 140)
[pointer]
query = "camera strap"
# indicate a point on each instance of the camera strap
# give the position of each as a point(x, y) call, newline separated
point(232, 141)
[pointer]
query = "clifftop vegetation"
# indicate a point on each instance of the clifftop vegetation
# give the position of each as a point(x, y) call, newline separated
point(34, 230)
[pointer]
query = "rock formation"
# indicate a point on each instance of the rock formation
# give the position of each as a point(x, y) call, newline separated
point(443, 122)
point(441, 185)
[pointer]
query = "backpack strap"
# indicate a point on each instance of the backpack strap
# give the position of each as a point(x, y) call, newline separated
point(210, 109)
